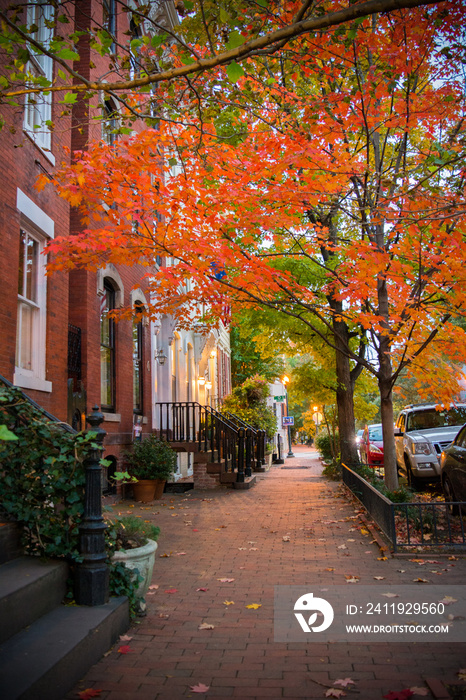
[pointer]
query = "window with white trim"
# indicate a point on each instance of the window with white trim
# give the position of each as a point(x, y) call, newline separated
point(31, 317)
point(110, 121)
point(38, 107)
point(107, 348)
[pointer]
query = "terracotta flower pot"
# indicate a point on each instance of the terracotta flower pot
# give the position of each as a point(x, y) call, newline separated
point(144, 490)
point(159, 487)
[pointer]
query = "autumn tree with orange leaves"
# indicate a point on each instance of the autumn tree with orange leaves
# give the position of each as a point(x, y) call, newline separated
point(336, 198)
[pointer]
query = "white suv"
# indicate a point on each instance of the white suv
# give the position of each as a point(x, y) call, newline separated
point(421, 434)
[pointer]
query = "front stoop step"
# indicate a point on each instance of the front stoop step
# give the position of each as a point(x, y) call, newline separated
point(29, 588)
point(47, 659)
point(248, 482)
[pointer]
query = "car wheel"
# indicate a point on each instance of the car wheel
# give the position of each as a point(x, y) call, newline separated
point(449, 496)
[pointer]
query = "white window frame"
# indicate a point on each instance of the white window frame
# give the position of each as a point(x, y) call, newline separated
point(40, 227)
point(38, 107)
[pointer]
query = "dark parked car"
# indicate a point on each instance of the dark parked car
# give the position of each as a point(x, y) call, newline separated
point(371, 447)
point(453, 470)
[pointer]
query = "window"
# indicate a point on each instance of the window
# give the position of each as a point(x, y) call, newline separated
point(108, 16)
point(110, 122)
point(136, 33)
point(31, 317)
point(38, 108)
point(137, 359)
point(107, 349)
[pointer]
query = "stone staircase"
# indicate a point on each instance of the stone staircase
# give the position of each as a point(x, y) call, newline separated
point(46, 646)
point(211, 470)
point(225, 449)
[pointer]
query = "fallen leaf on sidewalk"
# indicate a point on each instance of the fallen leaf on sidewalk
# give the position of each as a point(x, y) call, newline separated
point(329, 569)
point(242, 548)
point(202, 589)
point(448, 600)
point(352, 579)
point(342, 546)
point(379, 578)
point(286, 538)
point(254, 606)
point(253, 549)
point(199, 688)
point(419, 691)
point(164, 555)
point(225, 580)
point(344, 682)
point(125, 638)
point(89, 693)
point(400, 695)
point(171, 590)
point(462, 674)
point(390, 595)
point(153, 587)
point(179, 554)
point(335, 693)
point(206, 626)
point(421, 580)
point(124, 650)
point(228, 602)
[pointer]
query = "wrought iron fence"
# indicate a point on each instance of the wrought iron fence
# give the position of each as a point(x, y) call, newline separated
point(377, 505)
point(411, 525)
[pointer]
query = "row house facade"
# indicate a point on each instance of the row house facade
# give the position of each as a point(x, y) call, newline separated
point(57, 341)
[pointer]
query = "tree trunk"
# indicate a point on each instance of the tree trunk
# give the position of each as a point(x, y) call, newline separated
point(386, 411)
point(349, 453)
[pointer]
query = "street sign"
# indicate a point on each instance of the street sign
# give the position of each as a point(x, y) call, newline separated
point(279, 399)
point(287, 420)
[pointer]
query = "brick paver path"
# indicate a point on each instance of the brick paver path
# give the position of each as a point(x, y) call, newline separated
point(239, 535)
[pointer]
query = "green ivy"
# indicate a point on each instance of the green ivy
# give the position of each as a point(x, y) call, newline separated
point(42, 477)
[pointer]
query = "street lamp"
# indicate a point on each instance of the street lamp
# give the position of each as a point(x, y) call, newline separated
point(285, 381)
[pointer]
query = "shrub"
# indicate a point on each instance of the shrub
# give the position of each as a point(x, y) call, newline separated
point(325, 446)
point(42, 477)
point(152, 458)
point(249, 402)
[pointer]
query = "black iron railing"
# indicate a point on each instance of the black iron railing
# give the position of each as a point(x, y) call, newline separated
point(259, 438)
point(435, 524)
point(231, 443)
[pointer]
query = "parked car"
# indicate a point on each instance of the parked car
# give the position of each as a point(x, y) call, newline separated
point(421, 434)
point(371, 447)
point(453, 471)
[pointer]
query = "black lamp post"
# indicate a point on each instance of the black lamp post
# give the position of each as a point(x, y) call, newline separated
point(91, 582)
point(285, 381)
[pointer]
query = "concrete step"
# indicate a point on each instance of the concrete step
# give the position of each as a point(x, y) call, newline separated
point(29, 588)
point(47, 659)
point(248, 483)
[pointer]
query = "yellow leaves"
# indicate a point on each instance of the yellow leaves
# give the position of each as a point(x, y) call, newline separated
point(254, 606)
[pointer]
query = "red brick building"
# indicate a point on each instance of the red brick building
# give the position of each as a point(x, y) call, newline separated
point(56, 341)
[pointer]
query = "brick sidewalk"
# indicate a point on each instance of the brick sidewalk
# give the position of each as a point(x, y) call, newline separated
point(239, 535)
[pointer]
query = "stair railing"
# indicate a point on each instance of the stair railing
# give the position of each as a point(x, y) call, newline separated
point(259, 438)
point(212, 431)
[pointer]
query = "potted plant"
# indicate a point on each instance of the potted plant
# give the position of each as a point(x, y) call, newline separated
point(151, 461)
point(133, 542)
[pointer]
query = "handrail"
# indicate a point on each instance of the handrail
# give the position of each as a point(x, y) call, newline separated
point(48, 415)
point(190, 421)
